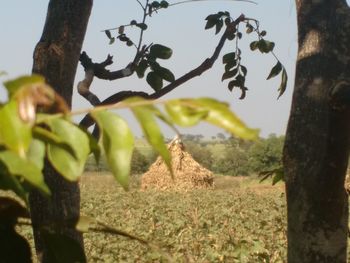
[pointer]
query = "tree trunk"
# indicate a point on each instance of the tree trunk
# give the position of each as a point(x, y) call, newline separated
point(56, 58)
point(317, 142)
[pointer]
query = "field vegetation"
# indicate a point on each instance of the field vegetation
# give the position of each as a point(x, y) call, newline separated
point(240, 221)
point(220, 154)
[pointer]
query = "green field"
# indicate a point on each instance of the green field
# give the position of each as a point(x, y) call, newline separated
point(239, 221)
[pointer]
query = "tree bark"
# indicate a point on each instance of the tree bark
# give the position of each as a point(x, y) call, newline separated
point(56, 57)
point(317, 141)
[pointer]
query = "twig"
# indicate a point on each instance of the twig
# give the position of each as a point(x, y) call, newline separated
point(87, 121)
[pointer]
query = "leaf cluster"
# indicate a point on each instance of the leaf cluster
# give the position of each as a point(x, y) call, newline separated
point(29, 135)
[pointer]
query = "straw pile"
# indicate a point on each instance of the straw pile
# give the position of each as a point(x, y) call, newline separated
point(188, 174)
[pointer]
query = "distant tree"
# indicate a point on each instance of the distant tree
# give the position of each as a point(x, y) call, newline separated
point(221, 136)
point(200, 153)
point(139, 162)
point(266, 154)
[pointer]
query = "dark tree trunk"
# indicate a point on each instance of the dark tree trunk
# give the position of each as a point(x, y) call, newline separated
point(317, 142)
point(56, 57)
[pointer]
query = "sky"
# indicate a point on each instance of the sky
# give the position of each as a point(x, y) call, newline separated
point(180, 27)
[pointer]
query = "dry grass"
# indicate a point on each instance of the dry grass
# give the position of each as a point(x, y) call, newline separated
point(188, 174)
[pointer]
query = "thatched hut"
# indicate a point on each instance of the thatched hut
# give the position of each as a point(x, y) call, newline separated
point(188, 174)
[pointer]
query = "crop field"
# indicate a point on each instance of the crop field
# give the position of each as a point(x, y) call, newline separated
point(240, 221)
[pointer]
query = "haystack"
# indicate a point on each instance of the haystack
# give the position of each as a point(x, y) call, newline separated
point(188, 174)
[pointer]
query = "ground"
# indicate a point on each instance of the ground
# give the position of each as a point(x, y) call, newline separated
point(240, 221)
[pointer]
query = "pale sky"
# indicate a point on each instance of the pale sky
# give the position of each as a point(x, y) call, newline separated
point(182, 28)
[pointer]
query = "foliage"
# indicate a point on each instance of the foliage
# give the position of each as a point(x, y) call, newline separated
point(239, 223)
point(30, 135)
point(266, 154)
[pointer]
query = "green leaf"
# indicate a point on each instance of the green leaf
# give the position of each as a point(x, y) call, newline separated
point(284, 81)
point(230, 65)
point(108, 34)
point(15, 134)
point(229, 58)
point(53, 139)
point(275, 70)
point(68, 165)
point(229, 74)
point(219, 114)
point(142, 26)
point(164, 4)
point(183, 114)
point(118, 143)
point(160, 51)
point(151, 130)
point(9, 182)
point(141, 68)
point(265, 46)
point(95, 148)
point(61, 248)
point(13, 86)
point(279, 176)
point(165, 74)
point(155, 4)
point(24, 168)
point(244, 70)
point(211, 23)
point(218, 26)
point(36, 153)
point(155, 81)
point(111, 40)
point(254, 45)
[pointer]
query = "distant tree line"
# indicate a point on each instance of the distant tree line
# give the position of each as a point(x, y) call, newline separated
point(220, 154)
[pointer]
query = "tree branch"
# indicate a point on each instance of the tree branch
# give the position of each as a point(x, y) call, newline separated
point(87, 121)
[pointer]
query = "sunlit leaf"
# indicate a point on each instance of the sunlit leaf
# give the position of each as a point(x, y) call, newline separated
point(68, 165)
point(13, 86)
point(36, 153)
point(118, 143)
point(219, 114)
point(15, 134)
point(151, 130)
point(49, 137)
point(183, 115)
point(24, 168)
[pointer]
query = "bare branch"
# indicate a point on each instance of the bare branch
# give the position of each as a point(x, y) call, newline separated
point(100, 70)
